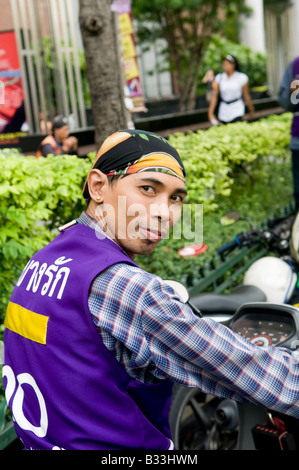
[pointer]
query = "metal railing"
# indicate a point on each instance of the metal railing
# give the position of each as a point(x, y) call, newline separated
point(55, 19)
point(7, 431)
point(220, 274)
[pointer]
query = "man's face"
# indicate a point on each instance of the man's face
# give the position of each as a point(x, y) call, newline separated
point(138, 210)
point(62, 133)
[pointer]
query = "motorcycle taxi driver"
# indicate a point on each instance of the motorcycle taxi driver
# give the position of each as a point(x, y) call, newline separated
point(93, 343)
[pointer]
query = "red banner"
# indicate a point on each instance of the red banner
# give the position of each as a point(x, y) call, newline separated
point(12, 114)
point(133, 82)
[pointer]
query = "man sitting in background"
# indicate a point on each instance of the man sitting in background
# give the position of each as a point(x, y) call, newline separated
point(58, 142)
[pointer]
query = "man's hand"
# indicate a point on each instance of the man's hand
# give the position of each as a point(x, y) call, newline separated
point(70, 145)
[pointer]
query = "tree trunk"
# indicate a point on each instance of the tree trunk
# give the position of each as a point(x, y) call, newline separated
point(188, 89)
point(184, 32)
point(97, 24)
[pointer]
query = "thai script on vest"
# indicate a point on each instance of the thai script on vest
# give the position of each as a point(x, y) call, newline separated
point(46, 279)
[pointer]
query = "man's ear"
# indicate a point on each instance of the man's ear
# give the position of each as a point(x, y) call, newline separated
point(96, 182)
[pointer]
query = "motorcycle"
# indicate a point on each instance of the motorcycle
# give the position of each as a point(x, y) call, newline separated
point(200, 421)
point(281, 238)
point(267, 324)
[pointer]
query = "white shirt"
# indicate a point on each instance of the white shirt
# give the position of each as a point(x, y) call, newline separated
point(231, 89)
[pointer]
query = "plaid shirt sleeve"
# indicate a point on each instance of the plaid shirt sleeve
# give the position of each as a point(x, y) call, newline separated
point(155, 336)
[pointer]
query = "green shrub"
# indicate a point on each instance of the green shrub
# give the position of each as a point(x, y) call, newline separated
point(36, 197)
point(214, 157)
point(243, 166)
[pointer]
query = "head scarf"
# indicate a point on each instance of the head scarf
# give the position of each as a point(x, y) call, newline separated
point(132, 151)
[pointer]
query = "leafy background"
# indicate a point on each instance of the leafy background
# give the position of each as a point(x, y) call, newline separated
point(251, 62)
point(244, 167)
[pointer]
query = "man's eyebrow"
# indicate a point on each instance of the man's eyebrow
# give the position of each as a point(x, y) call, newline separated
point(181, 191)
point(153, 180)
point(162, 185)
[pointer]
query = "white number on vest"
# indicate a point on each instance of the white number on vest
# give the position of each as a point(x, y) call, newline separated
point(17, 403)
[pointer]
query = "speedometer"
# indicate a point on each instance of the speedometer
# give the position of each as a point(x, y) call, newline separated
point(261, 340)
point(267, 331)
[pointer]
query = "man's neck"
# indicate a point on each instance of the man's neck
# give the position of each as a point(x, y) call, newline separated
point(59, 142)
point(102, 225)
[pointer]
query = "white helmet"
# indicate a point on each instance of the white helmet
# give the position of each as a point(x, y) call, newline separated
point(274, 277)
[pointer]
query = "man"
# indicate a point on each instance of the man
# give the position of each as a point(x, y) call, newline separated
point(58, 142)
point(288, 98)
point(93, 343)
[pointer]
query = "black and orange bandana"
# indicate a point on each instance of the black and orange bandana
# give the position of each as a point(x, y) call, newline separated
point(132, 151)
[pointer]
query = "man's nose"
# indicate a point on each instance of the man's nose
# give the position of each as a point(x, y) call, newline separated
point(161, 211)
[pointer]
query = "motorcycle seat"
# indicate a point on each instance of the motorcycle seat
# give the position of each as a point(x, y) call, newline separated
point(210, 302)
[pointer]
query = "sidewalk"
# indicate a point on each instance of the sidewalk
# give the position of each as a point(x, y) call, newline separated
point(191, 127)
point(206, 125)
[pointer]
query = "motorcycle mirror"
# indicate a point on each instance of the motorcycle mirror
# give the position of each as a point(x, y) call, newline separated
point(183, 293)
point(233, 216)
point(230, 218)
point(179, 289)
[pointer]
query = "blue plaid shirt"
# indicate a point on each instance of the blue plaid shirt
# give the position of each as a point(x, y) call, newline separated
point(155, 336)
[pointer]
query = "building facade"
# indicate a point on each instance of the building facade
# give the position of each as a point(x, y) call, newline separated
point(51, 77)
point(273, 29)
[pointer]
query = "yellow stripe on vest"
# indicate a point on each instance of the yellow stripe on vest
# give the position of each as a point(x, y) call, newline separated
point(29, 324)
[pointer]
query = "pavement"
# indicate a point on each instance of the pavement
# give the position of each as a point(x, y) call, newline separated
point(191, 127)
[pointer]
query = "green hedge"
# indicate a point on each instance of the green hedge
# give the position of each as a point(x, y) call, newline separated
point(213, 157)
point(36, 197)
point(231, 164)
point(243, 166)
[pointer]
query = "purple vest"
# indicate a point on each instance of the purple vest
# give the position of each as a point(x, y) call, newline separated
point(64, 387)
point(295, 123)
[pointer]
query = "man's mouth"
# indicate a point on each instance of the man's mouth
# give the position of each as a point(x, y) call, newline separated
point(152, 235)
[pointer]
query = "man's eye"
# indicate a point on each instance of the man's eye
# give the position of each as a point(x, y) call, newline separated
point(148, 189)
point(177, 198)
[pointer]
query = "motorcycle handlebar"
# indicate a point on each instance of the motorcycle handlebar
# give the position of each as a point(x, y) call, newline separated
point(227, 248)
point(239, 241)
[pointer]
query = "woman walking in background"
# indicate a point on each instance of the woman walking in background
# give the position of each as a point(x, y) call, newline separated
point(231, 92)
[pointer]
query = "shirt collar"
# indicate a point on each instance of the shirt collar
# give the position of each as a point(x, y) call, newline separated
point(86, 219)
